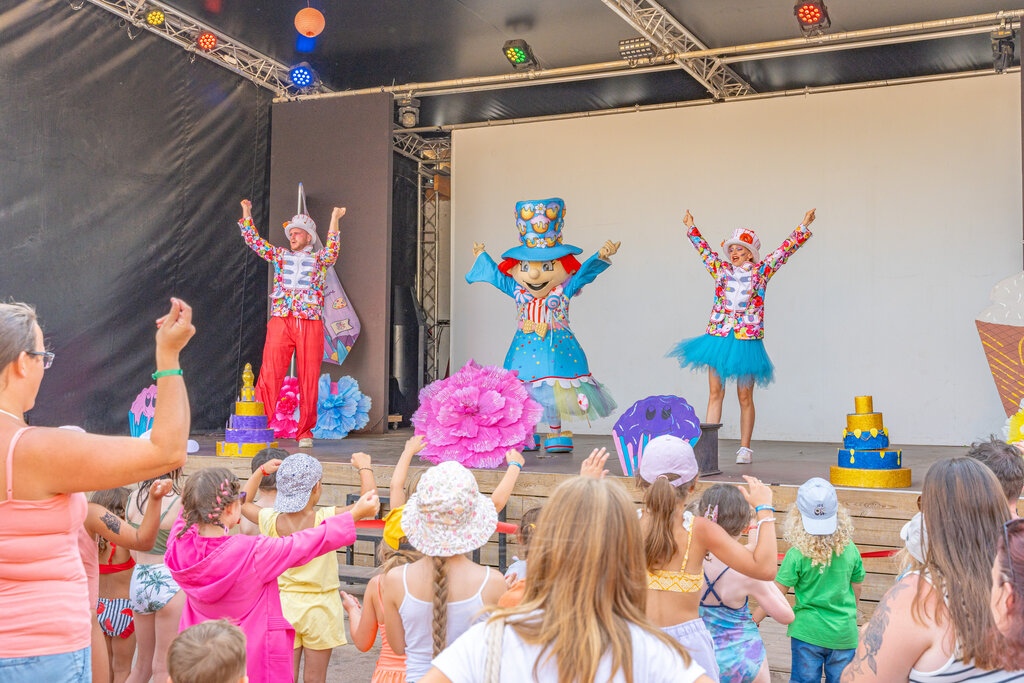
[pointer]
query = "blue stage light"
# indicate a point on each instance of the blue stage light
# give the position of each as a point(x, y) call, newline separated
point(302, 76)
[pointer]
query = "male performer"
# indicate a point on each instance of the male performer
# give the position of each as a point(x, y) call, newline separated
point(296, 310)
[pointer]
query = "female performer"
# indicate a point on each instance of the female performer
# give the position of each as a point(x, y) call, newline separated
point(732, 346)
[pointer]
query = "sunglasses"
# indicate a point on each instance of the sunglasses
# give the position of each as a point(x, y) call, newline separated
point(1012, 525)
point(47, 357)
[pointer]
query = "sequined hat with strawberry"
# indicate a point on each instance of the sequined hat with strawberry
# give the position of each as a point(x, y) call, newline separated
point(745, 238)
point(539, 222)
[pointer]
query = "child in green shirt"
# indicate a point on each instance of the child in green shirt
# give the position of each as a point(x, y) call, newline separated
point(824, 568)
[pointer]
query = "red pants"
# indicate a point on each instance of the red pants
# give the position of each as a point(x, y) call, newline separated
point(306, 338)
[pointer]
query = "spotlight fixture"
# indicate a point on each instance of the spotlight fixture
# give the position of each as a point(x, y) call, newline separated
point(636, 48)
point(519, 54)
point(155, 17)
point(206, 41)
point(1002, 49)
point(812, 15)
point(303, 76)
point(408, 111)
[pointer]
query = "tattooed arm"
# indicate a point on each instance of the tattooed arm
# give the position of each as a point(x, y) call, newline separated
point(105, 523)
point(893, 641)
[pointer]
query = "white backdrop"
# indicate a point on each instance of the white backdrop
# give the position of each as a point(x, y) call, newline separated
point(918, 191)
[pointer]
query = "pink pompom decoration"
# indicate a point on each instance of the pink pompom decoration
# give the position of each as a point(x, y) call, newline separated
point(475, 416)
point(284, 420)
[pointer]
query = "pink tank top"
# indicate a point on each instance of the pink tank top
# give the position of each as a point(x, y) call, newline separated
point(43, 591)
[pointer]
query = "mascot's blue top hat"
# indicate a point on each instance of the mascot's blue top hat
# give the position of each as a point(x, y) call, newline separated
point(540, 231)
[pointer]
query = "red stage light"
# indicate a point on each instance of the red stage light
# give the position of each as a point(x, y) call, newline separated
point(206, 41)
point(812, 15)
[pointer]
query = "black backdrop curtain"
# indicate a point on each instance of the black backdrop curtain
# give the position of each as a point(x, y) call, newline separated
point(122, 162)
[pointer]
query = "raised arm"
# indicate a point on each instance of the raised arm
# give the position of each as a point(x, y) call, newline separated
point(361, 461)
point(504, 488)
point(775, 260)
point(250, 510)
point(486, 270)
point(413, 446)
point(264, 249)
point(329, 254)
point(761, 563)
point(66, 461)
point(105, 523)
point(591, 268)
point(712, 261)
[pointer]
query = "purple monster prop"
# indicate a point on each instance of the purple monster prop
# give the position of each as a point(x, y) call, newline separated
point(650, 417)
point(140, 416)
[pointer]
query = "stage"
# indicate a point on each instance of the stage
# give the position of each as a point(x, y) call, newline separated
point(776, 462)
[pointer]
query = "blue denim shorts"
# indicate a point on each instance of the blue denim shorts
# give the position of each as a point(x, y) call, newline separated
point(72, 667)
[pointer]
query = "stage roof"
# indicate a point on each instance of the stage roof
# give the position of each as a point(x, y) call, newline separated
point(389, 42)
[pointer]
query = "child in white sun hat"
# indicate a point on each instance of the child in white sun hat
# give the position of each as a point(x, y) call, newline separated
point(824, 568)
point(732, 346)
point(431, 602)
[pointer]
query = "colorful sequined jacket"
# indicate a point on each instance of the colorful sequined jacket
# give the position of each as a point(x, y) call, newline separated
point(298, 275)
point(739, 293)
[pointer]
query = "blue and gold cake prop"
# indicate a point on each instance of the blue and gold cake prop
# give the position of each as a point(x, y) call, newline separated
point(247, 433)
point(866, 460)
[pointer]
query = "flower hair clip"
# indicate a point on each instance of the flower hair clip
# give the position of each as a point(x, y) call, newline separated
point(711, 513)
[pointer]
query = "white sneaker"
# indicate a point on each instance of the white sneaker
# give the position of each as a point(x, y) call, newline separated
point(744, 455)
point(308, 443)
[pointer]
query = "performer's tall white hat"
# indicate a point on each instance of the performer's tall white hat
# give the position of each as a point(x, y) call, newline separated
point(303, 221)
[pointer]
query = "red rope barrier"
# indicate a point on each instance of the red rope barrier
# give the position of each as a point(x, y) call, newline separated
point(873, 553)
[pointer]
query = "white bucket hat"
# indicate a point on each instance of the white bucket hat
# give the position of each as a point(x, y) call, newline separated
point(448, 515)
point(745, 238)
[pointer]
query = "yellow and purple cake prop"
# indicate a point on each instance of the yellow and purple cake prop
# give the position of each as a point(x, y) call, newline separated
point(866, 458)
point(247, 433)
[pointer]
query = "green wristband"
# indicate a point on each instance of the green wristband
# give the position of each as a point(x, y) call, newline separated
point(165, 373)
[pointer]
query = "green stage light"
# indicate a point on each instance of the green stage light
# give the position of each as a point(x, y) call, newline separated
point(519, 54)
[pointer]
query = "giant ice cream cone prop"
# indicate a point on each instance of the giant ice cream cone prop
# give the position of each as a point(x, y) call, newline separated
point(1001, 329)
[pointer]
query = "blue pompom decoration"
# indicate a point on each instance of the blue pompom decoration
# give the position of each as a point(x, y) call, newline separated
point(340, 408)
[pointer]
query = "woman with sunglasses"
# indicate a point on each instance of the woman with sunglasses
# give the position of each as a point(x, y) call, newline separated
point(936, 623)
point(44, 592)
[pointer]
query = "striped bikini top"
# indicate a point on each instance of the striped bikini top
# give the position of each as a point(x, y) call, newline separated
point(678, 581)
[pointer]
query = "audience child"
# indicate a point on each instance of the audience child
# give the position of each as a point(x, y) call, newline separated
point(676, 541)
point(235, 576)
point(432, 601)
point(367, 622)
point(515, 575)
point(46, 630)
point(824, 568)
point(582, 617)
point(402, 486)
point(1008, 585)
point(267, 490)
point(210, 652)
point(309, 594)
point(155, 599)
point(1006, 463)
point(113, 638)
point(724, 607)
point(936, 624)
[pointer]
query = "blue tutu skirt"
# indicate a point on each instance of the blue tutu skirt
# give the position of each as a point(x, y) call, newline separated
point(742, 360)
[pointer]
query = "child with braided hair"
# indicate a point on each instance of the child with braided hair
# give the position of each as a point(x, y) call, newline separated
point(235, 577)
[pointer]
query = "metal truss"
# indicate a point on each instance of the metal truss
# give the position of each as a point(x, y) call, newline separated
point(433, 151)
point(181, 29)
point(657, 25)
point(427, 275)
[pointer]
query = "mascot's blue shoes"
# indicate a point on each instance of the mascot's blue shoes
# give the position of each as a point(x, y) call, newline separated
point(558, 443)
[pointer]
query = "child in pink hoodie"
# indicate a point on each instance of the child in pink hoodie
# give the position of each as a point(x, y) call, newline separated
point(235, 577)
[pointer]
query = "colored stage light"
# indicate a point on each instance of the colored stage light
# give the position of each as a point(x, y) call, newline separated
point(302, 75)
point(812, 15)
point(155, 17)
point(519, 54)
point(636, 48)
point(309, 22)
point(206, 41)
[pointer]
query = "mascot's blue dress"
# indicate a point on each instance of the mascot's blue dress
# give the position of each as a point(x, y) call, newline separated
point(544, 350)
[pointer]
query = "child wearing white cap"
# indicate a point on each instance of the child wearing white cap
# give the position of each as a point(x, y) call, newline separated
point(825, 569)
point(732, 346)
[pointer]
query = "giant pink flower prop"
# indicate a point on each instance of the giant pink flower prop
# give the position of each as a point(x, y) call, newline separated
point(284, 419)
point(475, 416)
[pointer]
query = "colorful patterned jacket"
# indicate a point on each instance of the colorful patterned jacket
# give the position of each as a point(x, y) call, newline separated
point(746, 321)
point(298, 276)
